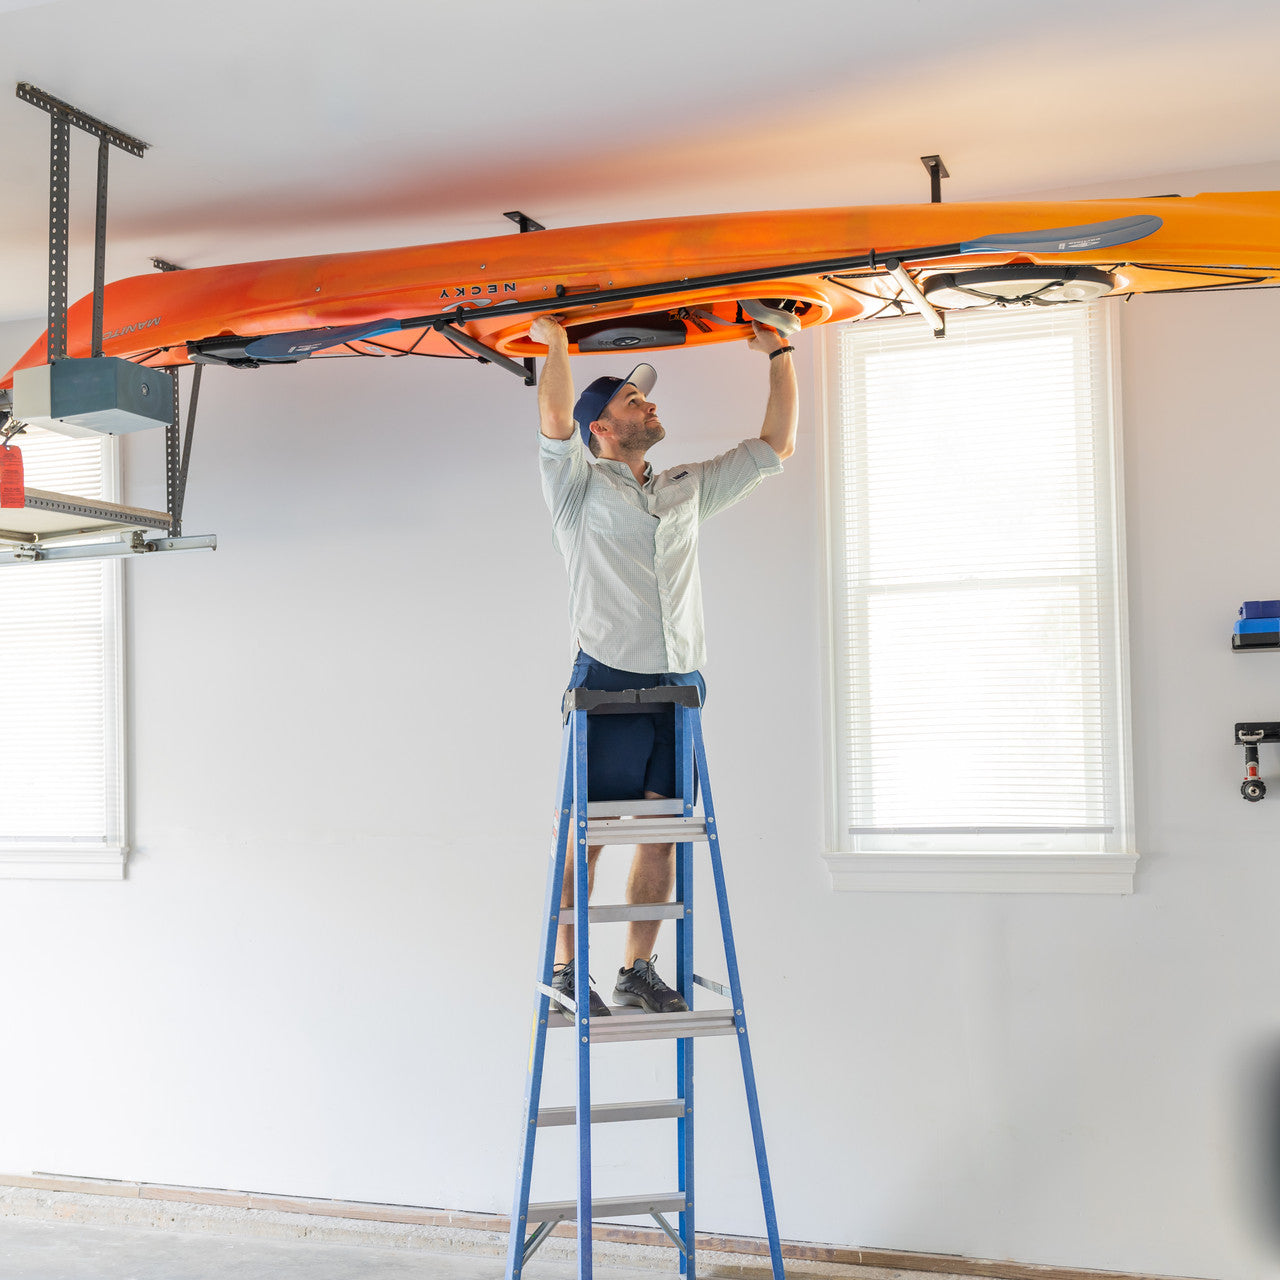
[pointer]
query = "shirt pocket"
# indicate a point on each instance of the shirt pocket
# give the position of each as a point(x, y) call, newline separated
point(615, 516)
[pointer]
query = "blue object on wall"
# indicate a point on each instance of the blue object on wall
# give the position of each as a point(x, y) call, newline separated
point(1260, 609)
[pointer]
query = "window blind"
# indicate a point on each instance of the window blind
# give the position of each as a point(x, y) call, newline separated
point(976, 584)
point(60, 689)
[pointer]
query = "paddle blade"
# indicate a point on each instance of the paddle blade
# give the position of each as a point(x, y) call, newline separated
point(1092, 235)
point(302, 343)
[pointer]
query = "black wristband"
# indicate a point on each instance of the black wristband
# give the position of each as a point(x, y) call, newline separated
point(773, 355)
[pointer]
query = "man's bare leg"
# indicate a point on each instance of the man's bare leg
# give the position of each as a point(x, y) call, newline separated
point(564, 935)
point(651, 879)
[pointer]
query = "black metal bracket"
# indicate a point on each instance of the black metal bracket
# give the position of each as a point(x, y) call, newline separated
point(523, 221)
point(526, 223)
point(486, 355)
point(1249, 734)
point(62, 116)
point(163, 264)
point(937, 171)
point(1269, 729)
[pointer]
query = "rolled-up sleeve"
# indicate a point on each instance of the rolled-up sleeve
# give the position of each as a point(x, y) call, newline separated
point(565, 472)
point(730, 477)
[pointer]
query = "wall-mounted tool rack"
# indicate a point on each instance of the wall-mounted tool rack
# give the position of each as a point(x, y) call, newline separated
point(1249, 734)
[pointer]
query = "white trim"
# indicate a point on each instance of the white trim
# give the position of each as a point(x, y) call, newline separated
point(114, 647)
point(1120, 560)
point(63, 862)
point(982, 872)
point(967, 872)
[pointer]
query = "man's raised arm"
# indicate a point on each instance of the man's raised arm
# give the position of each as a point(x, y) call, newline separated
point(555, 387)
point(782, 412)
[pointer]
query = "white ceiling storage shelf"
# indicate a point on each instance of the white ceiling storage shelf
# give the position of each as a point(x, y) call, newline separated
point(59, 515)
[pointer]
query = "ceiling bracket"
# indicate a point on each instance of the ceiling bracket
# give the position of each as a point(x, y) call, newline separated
point(526, 223)
point(523, 221)
point(937, 171)
point(62, 115)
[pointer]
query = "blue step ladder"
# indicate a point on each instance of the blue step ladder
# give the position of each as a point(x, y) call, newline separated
point(631, 822)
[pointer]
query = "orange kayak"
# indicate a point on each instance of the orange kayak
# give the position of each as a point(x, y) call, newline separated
point(681, 281)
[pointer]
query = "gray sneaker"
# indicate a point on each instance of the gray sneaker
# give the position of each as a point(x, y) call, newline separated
point(562, 980)
point(641, 986)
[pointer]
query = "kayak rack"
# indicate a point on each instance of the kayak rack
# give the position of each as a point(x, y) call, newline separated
point(39, 528)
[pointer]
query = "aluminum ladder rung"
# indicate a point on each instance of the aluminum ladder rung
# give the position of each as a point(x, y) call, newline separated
point(626, 911)
point(647, 830)
point(607, 1112)
point(630, 1023)
point(634, 808)
point(608, 1207)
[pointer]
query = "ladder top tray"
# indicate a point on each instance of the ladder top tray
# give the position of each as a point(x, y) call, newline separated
point(606, 702)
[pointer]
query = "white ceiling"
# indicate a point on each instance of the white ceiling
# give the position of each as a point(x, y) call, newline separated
point(282, 127)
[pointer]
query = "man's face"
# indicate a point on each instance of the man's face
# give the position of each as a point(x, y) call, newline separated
point(632, 420)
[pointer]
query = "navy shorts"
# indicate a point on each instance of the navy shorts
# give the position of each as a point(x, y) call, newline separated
point(628, 755)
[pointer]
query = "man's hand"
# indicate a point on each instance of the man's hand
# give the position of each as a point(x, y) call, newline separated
point(549, 330)
point(766, 339)
point(555, 387)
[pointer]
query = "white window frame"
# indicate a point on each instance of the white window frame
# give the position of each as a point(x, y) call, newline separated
point(975, 870)
point(103, 858)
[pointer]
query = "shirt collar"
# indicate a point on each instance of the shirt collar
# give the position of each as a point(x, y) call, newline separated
point(621, 469)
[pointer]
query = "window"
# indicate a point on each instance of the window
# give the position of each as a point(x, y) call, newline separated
point(62, 801)
point(978, 725)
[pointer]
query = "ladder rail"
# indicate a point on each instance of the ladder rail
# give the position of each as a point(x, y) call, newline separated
point(582, 988)
point(735, 988)
point(518, 1249)
point(685, 788)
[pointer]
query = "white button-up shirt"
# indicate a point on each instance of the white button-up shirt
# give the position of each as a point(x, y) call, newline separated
point(635, 598)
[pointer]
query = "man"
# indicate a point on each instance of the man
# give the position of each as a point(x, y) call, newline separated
point(630, 541)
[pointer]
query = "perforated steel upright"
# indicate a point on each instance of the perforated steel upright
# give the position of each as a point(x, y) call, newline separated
point(578, 825)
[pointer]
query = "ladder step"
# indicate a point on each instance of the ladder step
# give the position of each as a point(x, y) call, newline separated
point(634, 808)
point(609, 1207)
point(646, 830)
point(629, 1023)
point(627, 911)
point(605, 1112)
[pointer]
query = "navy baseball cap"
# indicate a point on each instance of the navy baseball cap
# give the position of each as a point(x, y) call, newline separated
point(592, 402)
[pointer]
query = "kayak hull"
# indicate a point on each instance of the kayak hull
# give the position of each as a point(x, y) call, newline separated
point(1205, 241)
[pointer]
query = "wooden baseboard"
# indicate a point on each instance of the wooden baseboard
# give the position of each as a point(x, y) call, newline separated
point(794, 1251)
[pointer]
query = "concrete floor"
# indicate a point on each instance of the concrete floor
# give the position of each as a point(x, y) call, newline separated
point(77, 1251)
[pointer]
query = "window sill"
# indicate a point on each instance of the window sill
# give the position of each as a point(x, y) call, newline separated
point(63, 862)
point(981, 872)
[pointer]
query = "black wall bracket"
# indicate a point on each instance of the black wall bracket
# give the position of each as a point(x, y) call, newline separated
point(1249, 734)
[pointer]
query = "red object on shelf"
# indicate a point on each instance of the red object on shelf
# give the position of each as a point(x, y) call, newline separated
point(12, 488)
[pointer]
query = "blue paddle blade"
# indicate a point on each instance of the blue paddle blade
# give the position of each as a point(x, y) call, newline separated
point(1093, 235)
point(302, 343)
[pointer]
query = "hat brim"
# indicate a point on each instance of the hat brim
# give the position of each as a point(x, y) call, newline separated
point(642, 377)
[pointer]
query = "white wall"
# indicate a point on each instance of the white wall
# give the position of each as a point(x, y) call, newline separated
point(316, 978)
